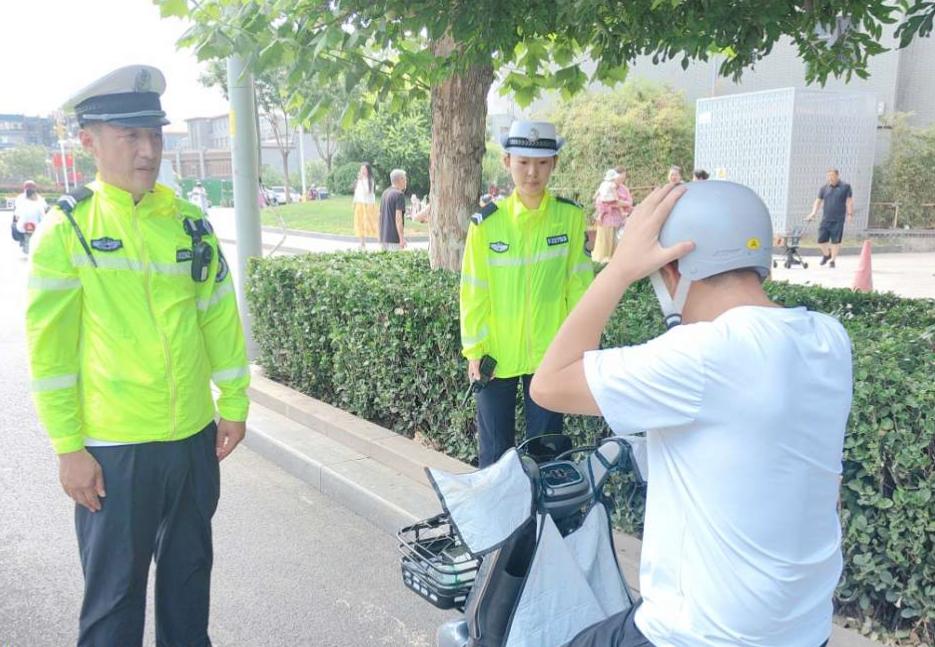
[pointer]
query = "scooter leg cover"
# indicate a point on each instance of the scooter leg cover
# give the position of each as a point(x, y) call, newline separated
point(557, 602)
point(487, 506)
point(592, 546)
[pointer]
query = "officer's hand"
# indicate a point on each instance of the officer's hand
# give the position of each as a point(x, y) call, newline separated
point(473, 370)
point(402, 243)
point(230, 434)
point(639, 253)
point(82, 478)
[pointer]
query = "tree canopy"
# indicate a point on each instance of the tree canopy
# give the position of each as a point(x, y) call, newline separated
point(385, 48)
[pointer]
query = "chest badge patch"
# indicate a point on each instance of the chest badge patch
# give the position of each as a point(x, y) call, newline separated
point(106, 244)
point(557, 240)
point(499, 246)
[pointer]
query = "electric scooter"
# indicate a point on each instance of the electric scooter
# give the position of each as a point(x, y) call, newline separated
point(567, 485)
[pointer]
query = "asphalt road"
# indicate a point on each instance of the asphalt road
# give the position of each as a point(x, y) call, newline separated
point(292, 568)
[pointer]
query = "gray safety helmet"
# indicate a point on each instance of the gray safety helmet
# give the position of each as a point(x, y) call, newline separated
point(731, 228)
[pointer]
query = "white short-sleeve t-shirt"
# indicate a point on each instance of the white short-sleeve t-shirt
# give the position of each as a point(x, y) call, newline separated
point(745, 419)
point(28, 211)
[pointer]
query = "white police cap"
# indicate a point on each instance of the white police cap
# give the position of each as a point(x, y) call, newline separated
point(532, 139)
point(128, 96)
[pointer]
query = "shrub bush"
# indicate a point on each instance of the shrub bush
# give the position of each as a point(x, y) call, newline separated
point(378, 335)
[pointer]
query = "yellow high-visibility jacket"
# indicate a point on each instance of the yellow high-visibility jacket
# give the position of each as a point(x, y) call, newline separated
point(126, 351)
point(523, 271)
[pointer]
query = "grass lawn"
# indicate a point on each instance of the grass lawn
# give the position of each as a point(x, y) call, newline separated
point(332, 216)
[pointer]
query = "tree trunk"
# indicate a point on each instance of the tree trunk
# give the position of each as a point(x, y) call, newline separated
point(459, 132)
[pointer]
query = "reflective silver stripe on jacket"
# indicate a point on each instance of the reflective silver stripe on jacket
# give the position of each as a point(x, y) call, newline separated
point(230, 374)
point(40, 283)
point(121, 263)
point(482, 334)
point(54, 383)
point(219, 293)
point(473, 280)
point(529, 260)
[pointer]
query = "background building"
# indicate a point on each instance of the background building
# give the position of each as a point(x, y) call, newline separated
point(900, 81)
point(20, 130)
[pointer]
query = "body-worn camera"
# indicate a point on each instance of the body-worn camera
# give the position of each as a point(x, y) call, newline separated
point(202, 252)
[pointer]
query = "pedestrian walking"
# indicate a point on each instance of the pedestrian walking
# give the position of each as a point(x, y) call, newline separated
point(199, 197)
point(393, 211)
point(131, 316)
point(365, 207)
point(836, 200)
point(525, 266)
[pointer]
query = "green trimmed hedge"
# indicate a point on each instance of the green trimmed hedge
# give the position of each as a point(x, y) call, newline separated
point(377, 335)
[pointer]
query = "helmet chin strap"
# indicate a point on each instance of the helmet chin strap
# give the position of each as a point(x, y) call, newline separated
point(671, 306)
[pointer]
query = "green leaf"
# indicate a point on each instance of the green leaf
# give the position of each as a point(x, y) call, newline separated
point(172, 8)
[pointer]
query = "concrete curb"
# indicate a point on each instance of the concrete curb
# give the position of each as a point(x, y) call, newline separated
point(810, 252)
point(282, 248)
point(375, 472)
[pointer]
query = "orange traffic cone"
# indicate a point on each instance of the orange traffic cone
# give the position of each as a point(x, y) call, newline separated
point(863, 279)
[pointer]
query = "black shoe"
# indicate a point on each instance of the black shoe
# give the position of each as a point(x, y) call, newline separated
point(831, 265)
point(824, 259)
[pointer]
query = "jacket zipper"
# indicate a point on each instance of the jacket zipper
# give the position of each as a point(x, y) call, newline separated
point(528, 314)
point(152, 313)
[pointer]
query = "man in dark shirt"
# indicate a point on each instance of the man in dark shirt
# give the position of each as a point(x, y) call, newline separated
point(392, 210)
point(838, 200)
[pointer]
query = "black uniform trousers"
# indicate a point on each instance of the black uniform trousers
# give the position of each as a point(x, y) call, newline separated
point(496, 418)
point(160, 500)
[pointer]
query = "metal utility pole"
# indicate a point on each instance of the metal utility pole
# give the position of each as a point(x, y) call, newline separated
point(243, 132)
point(302, 161)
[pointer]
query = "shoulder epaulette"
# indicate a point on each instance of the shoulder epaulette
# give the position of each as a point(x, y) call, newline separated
point(568, 201)
point(69, 201)
point(67, 204)
point(482, 215)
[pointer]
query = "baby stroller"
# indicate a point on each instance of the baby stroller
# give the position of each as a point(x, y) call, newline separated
point(791, 242)
point(524, 547)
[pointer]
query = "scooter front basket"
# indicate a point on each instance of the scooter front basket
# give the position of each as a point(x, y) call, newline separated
point(436, 564)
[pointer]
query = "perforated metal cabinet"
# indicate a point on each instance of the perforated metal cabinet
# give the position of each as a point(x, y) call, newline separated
point(781, 143)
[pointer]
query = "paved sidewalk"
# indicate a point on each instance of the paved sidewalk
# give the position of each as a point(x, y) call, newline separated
point(907, 274)
point(222, 219)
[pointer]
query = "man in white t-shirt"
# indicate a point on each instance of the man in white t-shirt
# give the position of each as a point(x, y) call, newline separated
point(744, 406)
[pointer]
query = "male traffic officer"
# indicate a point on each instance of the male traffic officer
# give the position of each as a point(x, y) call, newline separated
point(525, 267)
point(131, 316)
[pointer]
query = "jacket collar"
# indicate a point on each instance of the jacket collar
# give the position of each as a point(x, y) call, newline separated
point(160, 199)
point(519, 211)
